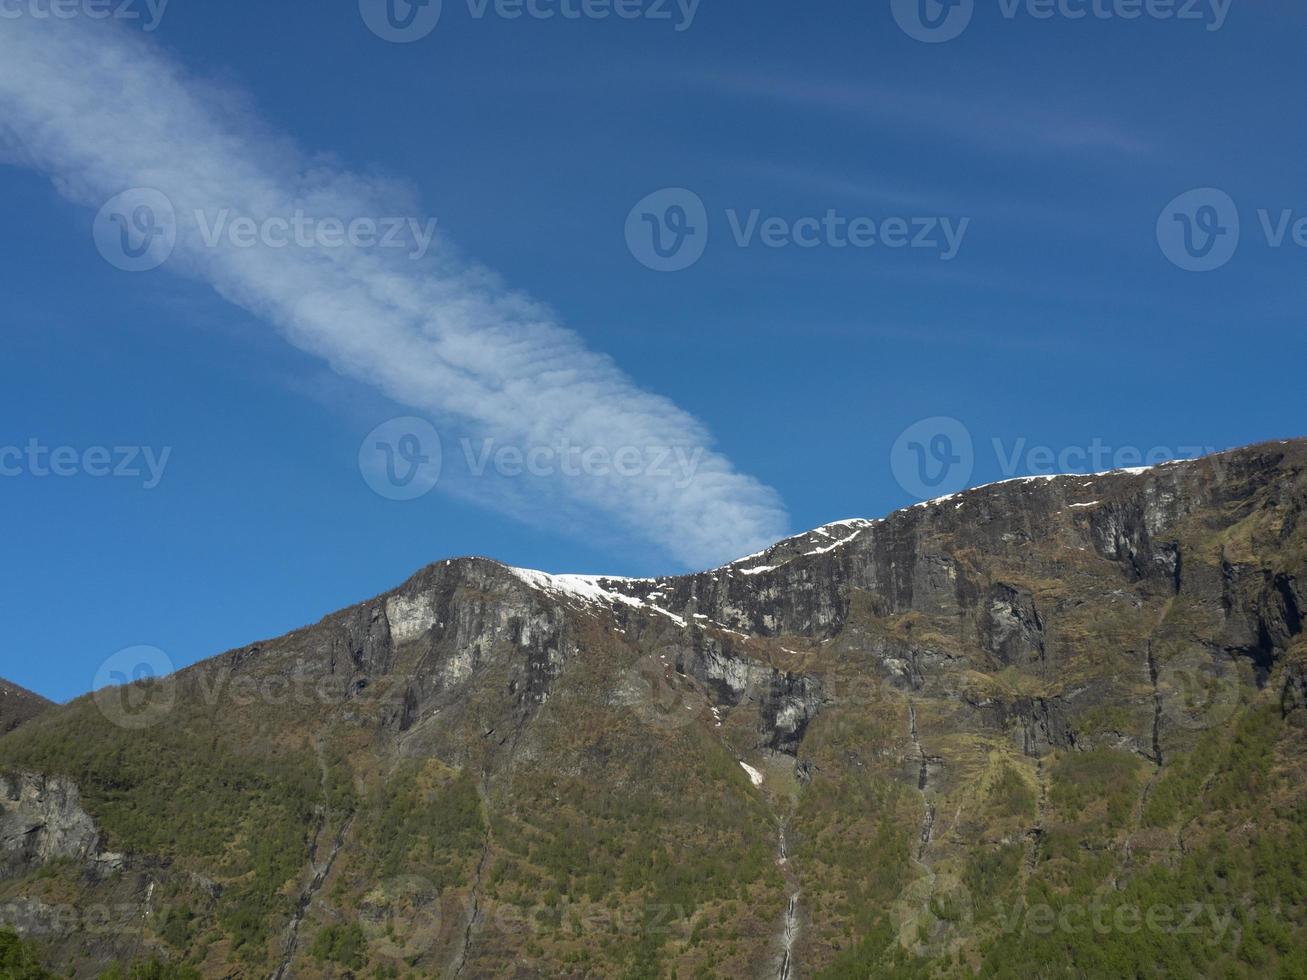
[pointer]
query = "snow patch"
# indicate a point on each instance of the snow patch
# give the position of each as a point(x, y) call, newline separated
point(755, 776)
point(857, 524)
point(839, 543)
point(591, 589)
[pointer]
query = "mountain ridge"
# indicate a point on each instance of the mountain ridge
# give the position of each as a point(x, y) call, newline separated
point(789, 543)
point(785, 763)
point(18, 705)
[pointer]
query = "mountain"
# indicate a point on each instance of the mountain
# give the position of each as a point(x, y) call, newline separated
point(1051, 726)
point(18, 705)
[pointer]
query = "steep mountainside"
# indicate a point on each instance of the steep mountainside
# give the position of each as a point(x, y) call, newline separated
point(18, 705)
point(1047, 727)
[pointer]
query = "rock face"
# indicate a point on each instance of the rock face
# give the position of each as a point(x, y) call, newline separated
point(912, 700)
point(1024, 576)
point(18, 705)
point(42, 820)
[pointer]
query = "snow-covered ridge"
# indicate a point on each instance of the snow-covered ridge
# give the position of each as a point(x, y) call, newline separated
point(1129, 471)
point(589, 587)
point(832, 536)
point(593, 589)
point(820, 540)
point(840, 533)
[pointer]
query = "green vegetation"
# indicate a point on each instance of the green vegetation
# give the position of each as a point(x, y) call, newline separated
point(425, 824)
point(343, 944)
point(241, 818)
point(1012, 794)
point(1104, 783)
point(19, 960)
point(991, 873)
point(609, 875)
point(879, 955)
point(1234, 905)
point(150, 970)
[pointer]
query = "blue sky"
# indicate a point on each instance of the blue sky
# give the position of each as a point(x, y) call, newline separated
point(1060, 327)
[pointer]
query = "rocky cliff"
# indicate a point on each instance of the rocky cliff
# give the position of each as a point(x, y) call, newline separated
point(856, 752)
point(41, 821)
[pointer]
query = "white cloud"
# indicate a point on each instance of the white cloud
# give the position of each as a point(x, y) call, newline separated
point(101, 110)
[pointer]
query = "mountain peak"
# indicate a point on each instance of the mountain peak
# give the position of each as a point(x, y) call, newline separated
point(19, 705)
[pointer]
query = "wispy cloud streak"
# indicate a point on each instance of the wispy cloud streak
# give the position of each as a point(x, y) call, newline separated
point(101, 110)
point(1004, 126)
